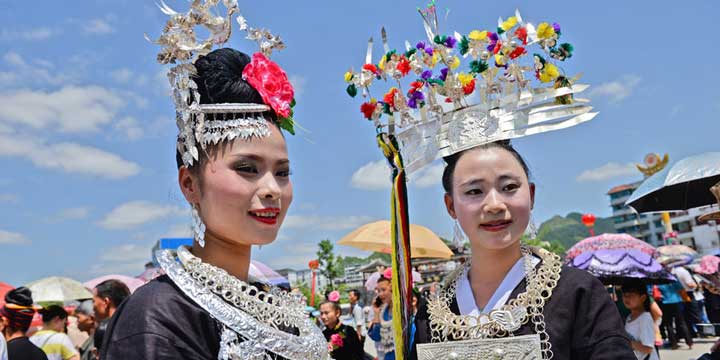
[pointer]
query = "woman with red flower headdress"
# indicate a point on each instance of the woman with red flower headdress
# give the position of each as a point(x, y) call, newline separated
point(234, 171)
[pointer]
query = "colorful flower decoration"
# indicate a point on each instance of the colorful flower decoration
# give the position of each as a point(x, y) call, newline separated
point(465, 67)
point(334, 296)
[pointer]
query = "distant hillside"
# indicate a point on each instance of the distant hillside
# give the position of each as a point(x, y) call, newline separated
point(569, 230)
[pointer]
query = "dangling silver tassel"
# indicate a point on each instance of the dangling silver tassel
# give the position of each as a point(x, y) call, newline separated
point(532, 229)
point(198, 227)
point(459, 238)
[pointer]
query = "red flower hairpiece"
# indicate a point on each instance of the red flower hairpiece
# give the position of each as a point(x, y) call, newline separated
point(271, 82)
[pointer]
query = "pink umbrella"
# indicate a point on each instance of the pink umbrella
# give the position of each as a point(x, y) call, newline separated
point(607, 242)
point(263, 273)
point(131, 282)
point(150, 274)
point(708, 265)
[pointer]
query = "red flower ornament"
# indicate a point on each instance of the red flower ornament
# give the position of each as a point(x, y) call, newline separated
point(271, 82)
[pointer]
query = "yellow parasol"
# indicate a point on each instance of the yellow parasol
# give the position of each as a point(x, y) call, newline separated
point(376, 237)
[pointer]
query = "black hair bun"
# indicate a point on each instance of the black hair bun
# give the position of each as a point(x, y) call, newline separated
point(219, 78)
point(21, 296)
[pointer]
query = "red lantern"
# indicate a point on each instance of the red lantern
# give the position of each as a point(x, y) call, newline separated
point(589, 221)
point(313, 264)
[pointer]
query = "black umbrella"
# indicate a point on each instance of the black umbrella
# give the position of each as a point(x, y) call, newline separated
point(684, 185)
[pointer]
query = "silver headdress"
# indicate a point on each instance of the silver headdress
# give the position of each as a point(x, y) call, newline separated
point(447, 109)
point(202, 124)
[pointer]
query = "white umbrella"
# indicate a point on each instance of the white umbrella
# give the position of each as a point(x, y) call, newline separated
point(58, 289)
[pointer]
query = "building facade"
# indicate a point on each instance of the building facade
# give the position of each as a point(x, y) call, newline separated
point(704, 237)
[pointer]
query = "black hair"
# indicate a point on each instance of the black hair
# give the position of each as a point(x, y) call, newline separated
point(382, 278)
point(53, 311)
point(451, 161)
point(355, 292)
point(114, 290)
point(334, 304)
point(636, 287)
point(219, 80)
point(21, 296)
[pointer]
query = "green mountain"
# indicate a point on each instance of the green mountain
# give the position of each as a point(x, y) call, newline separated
point(569, 230)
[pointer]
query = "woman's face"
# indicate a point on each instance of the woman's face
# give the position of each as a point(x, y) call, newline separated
point(245, 190)
point(328, 315)
point(491, 197)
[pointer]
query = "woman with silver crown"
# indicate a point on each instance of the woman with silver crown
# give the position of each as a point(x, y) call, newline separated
point(509, 301)
point(233, 169)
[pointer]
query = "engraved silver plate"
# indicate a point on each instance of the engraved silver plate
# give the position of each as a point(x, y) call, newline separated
point(525, 347)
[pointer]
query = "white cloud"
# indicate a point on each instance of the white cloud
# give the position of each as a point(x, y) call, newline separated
point(375, 175)
point(130, 127)
point(298, 82)
point(126, 252)
point(429, 176)
point(8, 198)
point(27, 73)
point(75, 213)
point(616, 90)
point(69, 157)
point(126, 259)
point(40, 33)
point(608, 171)
point(7, 237)
point(71, 109)
point(326, 222)
point(372, 176)
point(135, 213)
point(98, 27)
point(122, 75)
point(179, 231)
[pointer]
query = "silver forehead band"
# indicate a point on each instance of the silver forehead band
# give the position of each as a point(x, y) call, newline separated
point(215, 123)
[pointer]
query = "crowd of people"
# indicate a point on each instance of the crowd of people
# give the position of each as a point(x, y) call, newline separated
point(86, 320)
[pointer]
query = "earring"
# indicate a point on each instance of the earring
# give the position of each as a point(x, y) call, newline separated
point(198, 226)
point(532, 229)
point(458, 235)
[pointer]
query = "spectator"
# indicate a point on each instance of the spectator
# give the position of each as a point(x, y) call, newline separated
point(343, 341)
point(107, 296)
point(16, 316)
point(86, 322)
point(671, 313)
point(357, 313)
point(692, 300)
point(381, 327)
point(639, 324)
point(52, 339)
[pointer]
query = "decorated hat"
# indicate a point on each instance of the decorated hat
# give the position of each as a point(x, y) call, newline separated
point(201, 123)
point(450, 92)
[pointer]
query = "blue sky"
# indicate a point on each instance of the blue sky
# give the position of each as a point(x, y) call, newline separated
point(88, 180)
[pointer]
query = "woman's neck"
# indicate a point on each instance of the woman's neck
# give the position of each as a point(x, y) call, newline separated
point(488, 269)
point(231, 257)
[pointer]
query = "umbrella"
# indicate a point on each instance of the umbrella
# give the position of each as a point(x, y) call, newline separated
point(150, 274)
point(58, 289)
point(708, 265)
point(609, 241)
point(619, 266)
point(376, 237)
point(682, 186)
point(4, 288)
point(371, 282)
point(131, 282)
point(263, 273)
point(674, 255)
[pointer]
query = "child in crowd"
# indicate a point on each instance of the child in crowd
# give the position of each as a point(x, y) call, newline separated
point(639, 324)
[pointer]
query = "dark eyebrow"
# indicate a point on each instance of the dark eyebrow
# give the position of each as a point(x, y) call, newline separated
point(259, 158)
point(503, 177)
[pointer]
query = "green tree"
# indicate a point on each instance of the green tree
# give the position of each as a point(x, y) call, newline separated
point(330, 265)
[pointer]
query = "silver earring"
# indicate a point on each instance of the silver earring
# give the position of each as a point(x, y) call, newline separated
point(198, 227)
point(532, 229)
point(458, 235)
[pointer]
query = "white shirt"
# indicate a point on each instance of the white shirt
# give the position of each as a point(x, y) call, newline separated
point(358, 319)
point(466, 299)
point(642, 330)
point(3, 348)
point(686, 280)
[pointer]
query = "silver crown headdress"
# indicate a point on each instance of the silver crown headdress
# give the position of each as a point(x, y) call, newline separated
point(204, 124)
point(446, 110)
